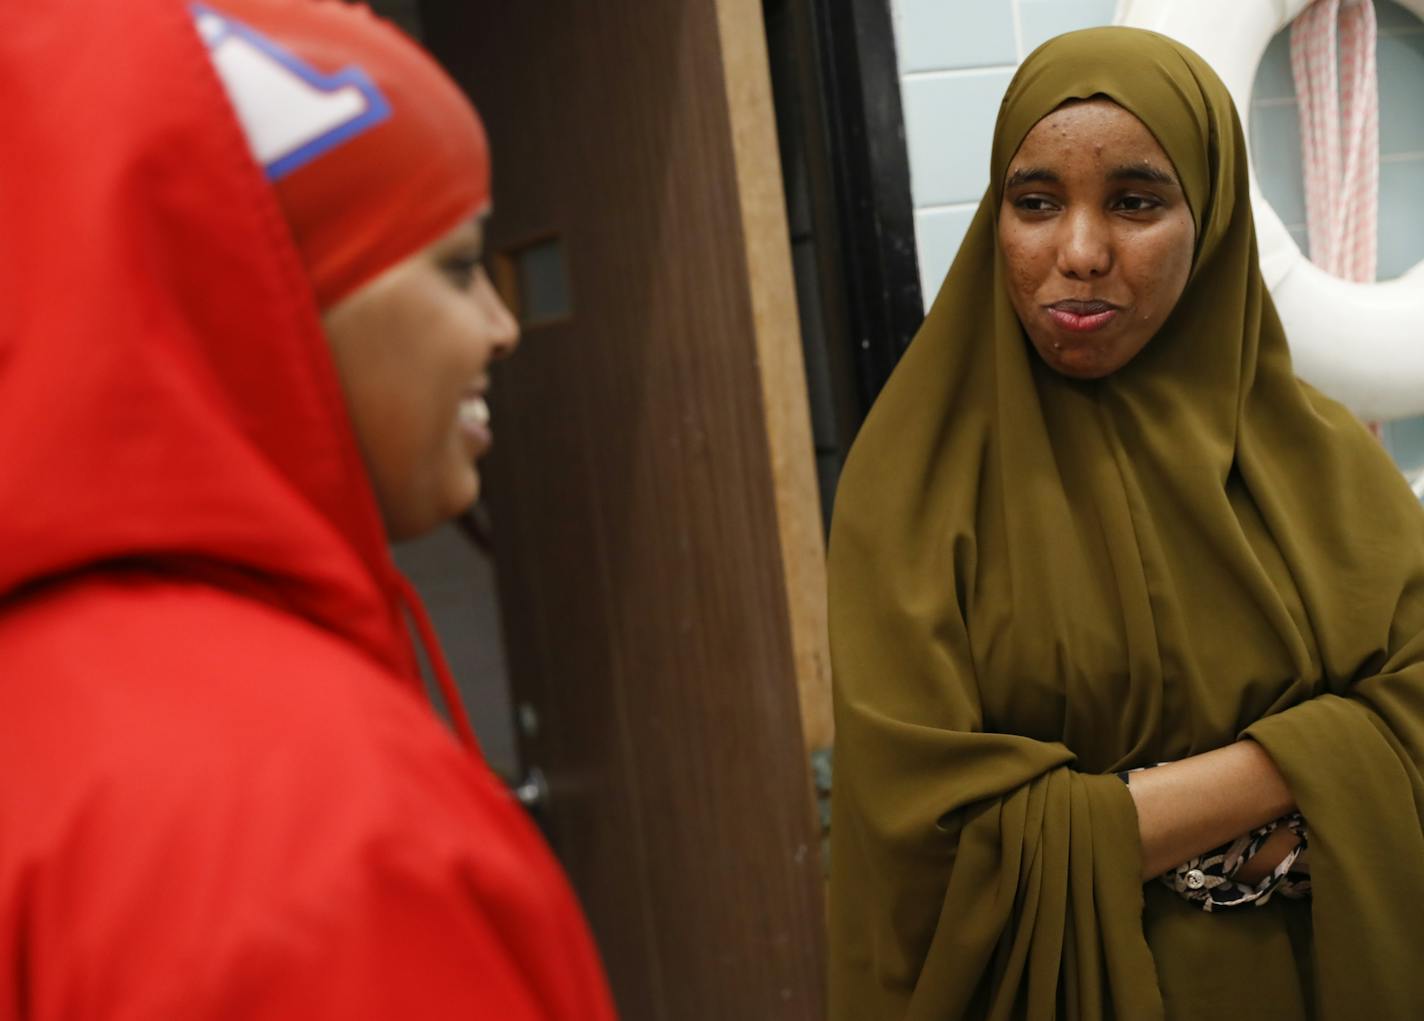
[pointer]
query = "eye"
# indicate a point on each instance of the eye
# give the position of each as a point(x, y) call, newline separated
point(1138, 203)
point(1034, 204)
point(460, 268)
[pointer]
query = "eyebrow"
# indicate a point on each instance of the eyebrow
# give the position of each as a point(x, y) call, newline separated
point(1126, 172)
point(1142, 172)
point(1032, 175)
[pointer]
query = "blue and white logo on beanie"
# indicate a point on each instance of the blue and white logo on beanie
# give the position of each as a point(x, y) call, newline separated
point(291, 112)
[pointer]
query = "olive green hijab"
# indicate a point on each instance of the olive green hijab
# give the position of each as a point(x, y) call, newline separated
point(1036, 581)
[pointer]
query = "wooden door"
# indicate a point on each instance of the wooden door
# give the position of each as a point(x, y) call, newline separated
point(656, 520)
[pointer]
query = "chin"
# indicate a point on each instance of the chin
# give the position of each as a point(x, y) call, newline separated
point(1078, 364)
point(421, 516)
point(1084, 372)
point(1069, 369)
point(464, 490)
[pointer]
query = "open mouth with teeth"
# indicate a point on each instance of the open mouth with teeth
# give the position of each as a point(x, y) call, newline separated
point(474, 421)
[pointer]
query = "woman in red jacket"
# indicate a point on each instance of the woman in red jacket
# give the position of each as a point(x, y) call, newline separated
point(221, 794)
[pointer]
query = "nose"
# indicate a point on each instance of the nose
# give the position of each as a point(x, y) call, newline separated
point(1085, 248)
point(501, 328)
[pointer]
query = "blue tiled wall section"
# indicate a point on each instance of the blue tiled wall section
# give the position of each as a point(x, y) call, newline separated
point(1401, 75)
point(1401, 222)
point(1275, 147)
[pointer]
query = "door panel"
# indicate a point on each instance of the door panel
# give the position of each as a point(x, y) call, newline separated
point(655, 510)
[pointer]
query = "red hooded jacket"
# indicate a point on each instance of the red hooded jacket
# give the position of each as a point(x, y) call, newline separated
point(221, 792)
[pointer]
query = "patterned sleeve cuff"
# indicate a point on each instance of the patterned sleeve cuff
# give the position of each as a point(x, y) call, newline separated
point(1208, 880)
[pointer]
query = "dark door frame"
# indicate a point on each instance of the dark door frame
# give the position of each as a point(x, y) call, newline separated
point(864, 133)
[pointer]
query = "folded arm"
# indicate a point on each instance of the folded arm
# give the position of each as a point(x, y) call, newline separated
point(1186, 808)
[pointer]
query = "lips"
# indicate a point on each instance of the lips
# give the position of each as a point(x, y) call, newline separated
point(1082, 316)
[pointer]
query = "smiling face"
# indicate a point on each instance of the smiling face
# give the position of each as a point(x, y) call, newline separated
point(413, 348)
point(1097, 237)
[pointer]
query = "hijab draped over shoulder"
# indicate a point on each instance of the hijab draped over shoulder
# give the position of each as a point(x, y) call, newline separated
point(1037, 581)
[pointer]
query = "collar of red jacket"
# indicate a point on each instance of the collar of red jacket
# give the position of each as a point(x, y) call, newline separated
point(166, 394)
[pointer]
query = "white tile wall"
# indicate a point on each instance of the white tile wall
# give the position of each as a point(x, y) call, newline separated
point(1041, 20)
point(956, 58)
point(938, 233)
point(953, 116)
point(950, 35)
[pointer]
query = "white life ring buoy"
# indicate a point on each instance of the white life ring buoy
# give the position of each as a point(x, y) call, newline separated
point(1361, 343)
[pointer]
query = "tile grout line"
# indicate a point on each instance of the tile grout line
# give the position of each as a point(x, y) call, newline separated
point(1017, 20)
point(957, 72)
point(948, 207)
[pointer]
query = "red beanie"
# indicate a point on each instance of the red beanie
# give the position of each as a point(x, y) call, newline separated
point(373, 151)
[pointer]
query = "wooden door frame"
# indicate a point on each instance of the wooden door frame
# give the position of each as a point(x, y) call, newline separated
point(783, 371)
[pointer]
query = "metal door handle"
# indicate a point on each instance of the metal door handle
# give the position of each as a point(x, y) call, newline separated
point(533, 793)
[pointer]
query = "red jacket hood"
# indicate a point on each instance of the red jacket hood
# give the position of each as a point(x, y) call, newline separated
point(166, 393)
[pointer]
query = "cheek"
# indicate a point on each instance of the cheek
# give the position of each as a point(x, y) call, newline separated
point(1161, 264)
point(449, 355)
point(454, 360)
point(1024, 262)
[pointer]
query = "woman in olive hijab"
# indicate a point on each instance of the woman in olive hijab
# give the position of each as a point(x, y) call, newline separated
point(1096, 524)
